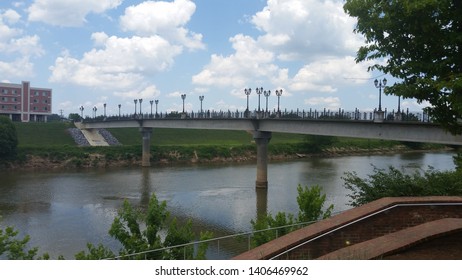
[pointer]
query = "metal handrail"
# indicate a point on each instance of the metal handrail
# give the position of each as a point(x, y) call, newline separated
point(248, 233)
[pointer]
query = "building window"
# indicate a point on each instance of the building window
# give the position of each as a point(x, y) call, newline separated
point(14, 91)
point(45, 108)
point(36, 93)
point(44, 93)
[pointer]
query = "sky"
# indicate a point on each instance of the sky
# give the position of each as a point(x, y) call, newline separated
point(114, 51)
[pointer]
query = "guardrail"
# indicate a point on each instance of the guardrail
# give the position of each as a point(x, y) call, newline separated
point(325, 114)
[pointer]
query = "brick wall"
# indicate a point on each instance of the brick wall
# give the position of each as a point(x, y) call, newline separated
point(358, 225)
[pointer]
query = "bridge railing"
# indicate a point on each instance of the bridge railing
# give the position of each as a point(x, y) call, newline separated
point(310, 114)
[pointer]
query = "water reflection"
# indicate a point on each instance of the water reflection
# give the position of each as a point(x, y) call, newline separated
point(62, 211)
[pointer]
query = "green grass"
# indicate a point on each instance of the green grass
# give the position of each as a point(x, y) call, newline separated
point(54, 134)
point(43, 134)
point(170, 136)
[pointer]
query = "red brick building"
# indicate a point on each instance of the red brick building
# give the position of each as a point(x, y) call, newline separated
point(21, 102)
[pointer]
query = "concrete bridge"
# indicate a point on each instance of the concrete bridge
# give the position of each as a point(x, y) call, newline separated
point(262, 129)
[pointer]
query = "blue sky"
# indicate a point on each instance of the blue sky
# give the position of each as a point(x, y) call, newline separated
point(113, 51)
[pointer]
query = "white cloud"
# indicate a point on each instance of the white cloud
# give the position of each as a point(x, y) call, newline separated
point(166, 19)
point(18, 68)
point(316, 34)
point(11, 16)
point(120, 63)
point(19, 48)
point(146, 93)
point(68, 13)
point(331, 102)
point(325, 75)
point(294, 29)
point(248, 63)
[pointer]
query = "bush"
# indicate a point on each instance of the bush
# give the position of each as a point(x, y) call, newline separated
point(393, 183)
point(311, 208)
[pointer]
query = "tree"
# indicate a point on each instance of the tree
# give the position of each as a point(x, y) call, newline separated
point(8, 138)
point(421, 41)
point(74, 117)
point(152, 231)
point(311, 208)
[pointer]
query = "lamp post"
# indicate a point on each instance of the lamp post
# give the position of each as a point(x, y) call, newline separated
point(119, 109)
point(278, 94)
point(81, 111)
point(247, 92)
point(259, 92)
point(136, 101)
point(140, 100)
point(380, 85)
point(157, 102)
point(104, 105)
point(267, 94)
point(201, 98)
point(151, 102)
point(398, 116)
point(379, 116)
point(94, 111)
point(183, 96)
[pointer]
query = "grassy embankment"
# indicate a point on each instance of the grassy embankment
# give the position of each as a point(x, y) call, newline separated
point(49, 143)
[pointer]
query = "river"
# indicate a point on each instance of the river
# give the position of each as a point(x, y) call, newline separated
point(64, 210)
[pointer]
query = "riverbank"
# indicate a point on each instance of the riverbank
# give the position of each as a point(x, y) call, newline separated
point(51, 146)
point(33, 158)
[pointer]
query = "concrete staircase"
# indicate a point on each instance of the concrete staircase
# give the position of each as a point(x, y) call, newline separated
point(93, 136)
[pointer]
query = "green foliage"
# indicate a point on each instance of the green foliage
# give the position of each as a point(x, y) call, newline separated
point(421, 42)
point(74, 117)
point(95, 253)
point(394, 183)
point(310, 203)
point(151, 231)
point(8, 138)
point(13, 248)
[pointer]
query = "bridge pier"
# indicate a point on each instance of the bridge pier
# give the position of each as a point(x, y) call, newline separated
point(146, 156)
point(262, 139)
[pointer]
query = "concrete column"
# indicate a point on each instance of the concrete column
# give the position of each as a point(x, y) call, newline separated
point(146, 157)
point(262, 139)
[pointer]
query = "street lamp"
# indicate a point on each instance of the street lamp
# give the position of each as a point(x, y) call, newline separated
point(140, 100)
point(157, 102)
point(119, 109)
point(136, 101)
point(150, 101)
point(81, 111)
point(267, 94)
point(247, 92)
point(104, 109)
point(94, 111)
point(380, 85)
point(183, 96)
point(259, 92)
point(201, 98)
point(278, 94)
